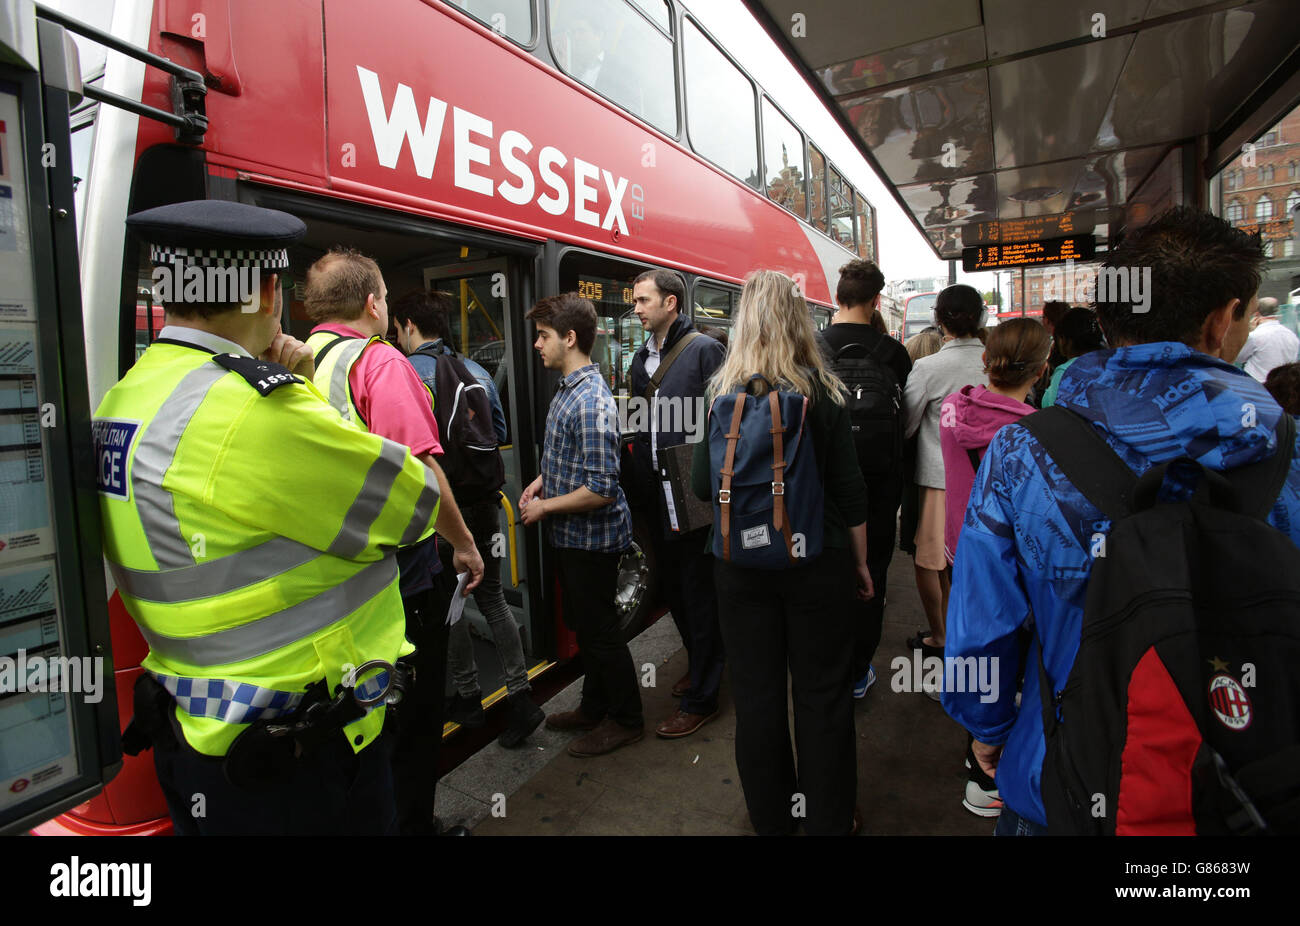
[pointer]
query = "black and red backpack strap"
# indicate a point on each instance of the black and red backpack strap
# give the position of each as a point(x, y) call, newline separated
point(1091, 466)
point(1260, 483)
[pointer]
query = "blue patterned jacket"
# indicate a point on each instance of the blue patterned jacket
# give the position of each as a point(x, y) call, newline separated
point(1026, 542)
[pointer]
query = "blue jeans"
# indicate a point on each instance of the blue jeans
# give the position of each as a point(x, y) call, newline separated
point(1011, 823)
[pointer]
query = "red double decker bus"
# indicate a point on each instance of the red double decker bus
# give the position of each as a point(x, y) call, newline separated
point(500, 151)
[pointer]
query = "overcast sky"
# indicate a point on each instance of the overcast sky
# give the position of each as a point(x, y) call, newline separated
point(904, 252)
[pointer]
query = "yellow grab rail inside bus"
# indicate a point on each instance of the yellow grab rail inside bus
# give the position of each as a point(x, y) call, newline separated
point(510, 543)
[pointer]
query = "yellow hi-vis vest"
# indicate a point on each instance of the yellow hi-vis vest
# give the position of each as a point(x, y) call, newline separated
point(333, 375)
point(334, 372)
point(251, 533)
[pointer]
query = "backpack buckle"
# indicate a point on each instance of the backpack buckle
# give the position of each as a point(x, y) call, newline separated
point(778, 488)
point(724, 496)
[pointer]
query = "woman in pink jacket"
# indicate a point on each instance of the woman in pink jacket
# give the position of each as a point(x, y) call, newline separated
point(1015, 356)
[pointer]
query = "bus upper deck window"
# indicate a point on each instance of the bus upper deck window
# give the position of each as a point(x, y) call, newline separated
point(620, 53)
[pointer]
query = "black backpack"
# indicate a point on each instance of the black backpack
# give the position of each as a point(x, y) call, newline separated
point(463, 410)
point(1181, 714)
point(875, 402)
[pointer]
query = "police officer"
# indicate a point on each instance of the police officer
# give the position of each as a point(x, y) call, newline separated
point(266, 589)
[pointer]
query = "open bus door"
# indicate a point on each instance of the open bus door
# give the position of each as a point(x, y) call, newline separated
point(58, 701)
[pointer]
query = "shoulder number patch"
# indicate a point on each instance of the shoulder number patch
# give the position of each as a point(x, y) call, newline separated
point(113, 440)
point(262, 375)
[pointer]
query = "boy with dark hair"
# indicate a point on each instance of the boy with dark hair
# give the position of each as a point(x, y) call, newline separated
point(1158, 394)
point(858, 296)
point(588, 524)
point(1283, 384)
point(423, 334)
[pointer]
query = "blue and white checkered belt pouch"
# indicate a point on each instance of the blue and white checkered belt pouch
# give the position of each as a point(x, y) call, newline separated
point(232, 701)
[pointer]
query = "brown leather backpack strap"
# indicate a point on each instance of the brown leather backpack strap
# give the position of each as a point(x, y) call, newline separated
point(779, 519)
point(724, 496)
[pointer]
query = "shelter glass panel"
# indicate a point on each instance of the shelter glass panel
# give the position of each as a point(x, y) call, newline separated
point(1257, 193)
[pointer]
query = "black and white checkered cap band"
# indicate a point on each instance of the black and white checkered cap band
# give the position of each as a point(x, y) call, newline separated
point(269, 259)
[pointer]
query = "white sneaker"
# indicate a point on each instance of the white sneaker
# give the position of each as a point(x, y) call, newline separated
point(935, 692)
point(980, 802)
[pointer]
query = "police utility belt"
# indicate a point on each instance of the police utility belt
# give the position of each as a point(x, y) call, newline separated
point(264, 754)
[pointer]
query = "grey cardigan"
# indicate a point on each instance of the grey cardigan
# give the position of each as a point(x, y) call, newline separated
point(958, 363)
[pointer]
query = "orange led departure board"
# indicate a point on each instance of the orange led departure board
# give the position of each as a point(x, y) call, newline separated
point(1028, 254)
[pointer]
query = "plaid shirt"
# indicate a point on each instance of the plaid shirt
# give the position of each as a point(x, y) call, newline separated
point(582, 449)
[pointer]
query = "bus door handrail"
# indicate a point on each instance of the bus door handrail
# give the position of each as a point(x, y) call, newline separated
point(189, 92)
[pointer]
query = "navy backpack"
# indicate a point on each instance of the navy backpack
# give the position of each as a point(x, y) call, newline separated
point(768, 496)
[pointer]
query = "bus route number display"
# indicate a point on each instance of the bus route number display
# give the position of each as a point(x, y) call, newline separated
point(1028, 253)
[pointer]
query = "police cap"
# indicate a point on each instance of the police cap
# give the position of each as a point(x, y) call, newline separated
point(216, 233)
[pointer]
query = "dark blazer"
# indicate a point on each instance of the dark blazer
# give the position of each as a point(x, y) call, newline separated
point(686, 380)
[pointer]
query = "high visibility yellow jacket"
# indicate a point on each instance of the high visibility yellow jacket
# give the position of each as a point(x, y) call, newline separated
point(251, 533)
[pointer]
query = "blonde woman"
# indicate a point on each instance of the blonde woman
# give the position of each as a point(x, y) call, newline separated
point(798, 620)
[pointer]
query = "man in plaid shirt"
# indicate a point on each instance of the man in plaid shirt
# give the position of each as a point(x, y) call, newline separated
point(588, 524)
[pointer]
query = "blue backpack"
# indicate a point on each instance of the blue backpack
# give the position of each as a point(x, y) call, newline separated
point(768, 496)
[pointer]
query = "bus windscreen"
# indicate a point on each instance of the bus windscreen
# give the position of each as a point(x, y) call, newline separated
point(918, 314)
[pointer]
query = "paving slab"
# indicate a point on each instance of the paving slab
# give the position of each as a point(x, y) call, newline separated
point(910, 773)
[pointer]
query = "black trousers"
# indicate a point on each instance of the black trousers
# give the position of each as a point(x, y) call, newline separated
point(883, 500)
point(686, 568)
point(332, 792)
point(587, 584)
point(419, 716)
point(800, 621)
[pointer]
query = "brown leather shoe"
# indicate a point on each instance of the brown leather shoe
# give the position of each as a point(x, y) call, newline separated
point(682, 685)
point(570, 720)
point(608, 736)
point(682, 724)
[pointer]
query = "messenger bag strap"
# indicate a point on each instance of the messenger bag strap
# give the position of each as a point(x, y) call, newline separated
point(724, 496)
point(779, 520)
point(667, 361)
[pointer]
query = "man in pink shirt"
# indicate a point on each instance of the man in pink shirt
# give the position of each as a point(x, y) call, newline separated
point(370, 383)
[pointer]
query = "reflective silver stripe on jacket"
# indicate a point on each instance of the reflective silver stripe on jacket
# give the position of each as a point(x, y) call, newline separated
point(214, 577)
point(259, 637)
point(344, 357)
point(154, 456)
point(354, 535)
point(424, 506)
